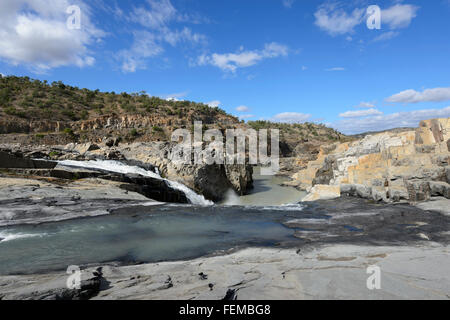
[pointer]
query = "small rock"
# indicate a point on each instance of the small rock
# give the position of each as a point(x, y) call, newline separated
point(99, 272)
point(169, 282)
point(231, 295)
point(110, 142)
point(114, 155)
point(203, 276)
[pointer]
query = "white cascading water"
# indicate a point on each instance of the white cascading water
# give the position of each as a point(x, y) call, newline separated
point(5, 236)
point(119, 167)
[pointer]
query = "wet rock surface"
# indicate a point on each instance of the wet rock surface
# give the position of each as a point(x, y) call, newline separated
point(357, 221)
point(21, 211)
point(334, 242)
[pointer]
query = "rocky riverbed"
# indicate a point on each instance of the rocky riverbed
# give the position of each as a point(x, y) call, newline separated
point(136, 235)
point(324, 254)
point(329, 272)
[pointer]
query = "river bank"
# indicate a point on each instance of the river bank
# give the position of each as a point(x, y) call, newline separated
point(267, 245)
point(329, 272)
point(319, 250)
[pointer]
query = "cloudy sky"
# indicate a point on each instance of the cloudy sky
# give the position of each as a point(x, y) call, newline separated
point(280, 60)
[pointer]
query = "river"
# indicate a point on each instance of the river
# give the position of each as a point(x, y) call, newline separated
point(271, 216)
point(154, 233)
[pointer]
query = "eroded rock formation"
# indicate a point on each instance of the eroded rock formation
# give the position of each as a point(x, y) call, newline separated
point(212, 181)
point(412, 165)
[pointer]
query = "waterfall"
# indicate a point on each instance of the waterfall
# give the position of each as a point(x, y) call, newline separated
point(119, 167)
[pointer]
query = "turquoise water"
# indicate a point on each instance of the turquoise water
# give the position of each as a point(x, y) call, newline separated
point(157, 233)
point(141, 234)
point(267, 191)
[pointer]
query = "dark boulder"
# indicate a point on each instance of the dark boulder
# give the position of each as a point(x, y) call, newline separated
point(13, 162)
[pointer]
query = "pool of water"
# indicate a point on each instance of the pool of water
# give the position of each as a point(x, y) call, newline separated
point(267, 191)
point(142, 234)
point(149, 234)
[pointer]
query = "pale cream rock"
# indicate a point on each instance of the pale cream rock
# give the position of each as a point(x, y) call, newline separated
point(388, 162)
point(323, 192)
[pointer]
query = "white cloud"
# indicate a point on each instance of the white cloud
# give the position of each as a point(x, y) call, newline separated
point(243, 109)
point(157, 19)
point(304, 68)
point(365, 105)
point(288, 3)
point(144, 46)
point(175, 96)
point(242, 59)
point(399, 15)
point(214, 103)
point(157, 16)
point(291, 117)
point(428, 95)
point(389, 121)
point(34, 33)
point(335, 21)
point(360, 113)
point(335, 69)
point(246, 116)
point(386, 36)
point(185, 35)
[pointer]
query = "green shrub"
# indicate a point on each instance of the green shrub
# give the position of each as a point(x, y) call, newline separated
point(14, 112)
point(134, 132)
point(84, 115)
point(69, 131)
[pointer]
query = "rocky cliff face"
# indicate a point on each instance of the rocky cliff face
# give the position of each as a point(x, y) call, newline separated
point(213, 181)
point(117, 123)
point(412, 165)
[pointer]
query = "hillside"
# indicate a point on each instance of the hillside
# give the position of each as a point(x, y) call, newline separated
point(33, 99)
point(34, 111)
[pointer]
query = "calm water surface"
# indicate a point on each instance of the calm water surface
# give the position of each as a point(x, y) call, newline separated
point(150, 234)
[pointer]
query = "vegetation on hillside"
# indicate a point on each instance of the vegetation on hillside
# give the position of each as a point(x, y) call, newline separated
point(34, 99)
point(39, 100)
point(301, 131)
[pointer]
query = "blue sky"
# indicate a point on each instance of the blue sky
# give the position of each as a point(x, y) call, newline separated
point(280, 60)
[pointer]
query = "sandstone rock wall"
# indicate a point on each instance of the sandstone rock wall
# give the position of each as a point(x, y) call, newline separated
point(113, 122)
point(31, 126)
point(412, 165)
